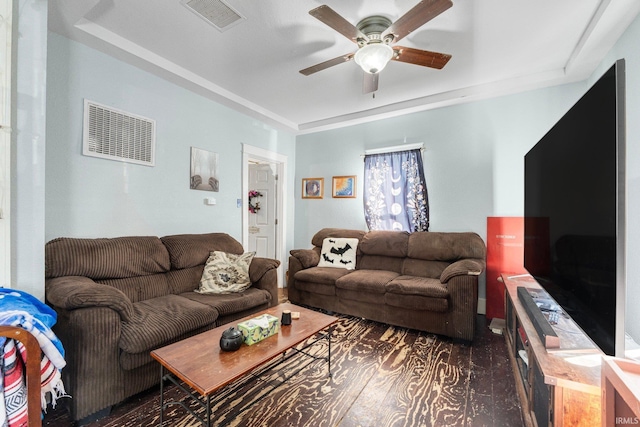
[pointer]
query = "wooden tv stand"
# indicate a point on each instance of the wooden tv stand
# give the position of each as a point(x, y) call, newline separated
point(557, 387)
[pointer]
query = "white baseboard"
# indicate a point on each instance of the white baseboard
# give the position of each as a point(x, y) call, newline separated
point(482, 306)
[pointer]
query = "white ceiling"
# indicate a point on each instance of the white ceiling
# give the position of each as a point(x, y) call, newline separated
point(497, 47)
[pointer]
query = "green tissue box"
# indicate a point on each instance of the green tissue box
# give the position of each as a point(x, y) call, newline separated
point(253, 332)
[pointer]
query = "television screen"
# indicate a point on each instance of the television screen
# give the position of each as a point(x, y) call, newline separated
point(572, 208)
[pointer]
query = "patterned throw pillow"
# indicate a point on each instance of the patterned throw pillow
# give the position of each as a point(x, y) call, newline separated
point(226, 273)
point(338, 253)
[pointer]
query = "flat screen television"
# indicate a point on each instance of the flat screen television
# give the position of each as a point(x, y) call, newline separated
point(575, 211)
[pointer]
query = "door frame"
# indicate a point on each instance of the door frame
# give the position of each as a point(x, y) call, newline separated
point(249, 153)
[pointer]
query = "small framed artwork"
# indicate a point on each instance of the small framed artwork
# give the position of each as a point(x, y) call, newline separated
point(312, 188)
point(204, 170)
point(344, 186)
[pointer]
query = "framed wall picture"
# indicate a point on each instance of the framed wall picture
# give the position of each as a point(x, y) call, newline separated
point(204, 170)
point(344, 186)
point(312, 188)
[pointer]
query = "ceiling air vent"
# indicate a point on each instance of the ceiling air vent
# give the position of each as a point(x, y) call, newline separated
point(117, 135)
point(215, 12)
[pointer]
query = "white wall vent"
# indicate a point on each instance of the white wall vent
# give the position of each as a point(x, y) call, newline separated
point(215, 12)
point(117, 135)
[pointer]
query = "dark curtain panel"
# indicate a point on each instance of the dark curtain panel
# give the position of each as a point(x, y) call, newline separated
point(395, 192)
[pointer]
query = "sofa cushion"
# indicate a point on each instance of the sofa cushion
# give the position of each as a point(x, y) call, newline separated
point(321, 275)
point(114, 258)
point(413, 285)
point(319, 280)
point(189, 250)
point(159, 320)
point(372, 298)
point(226, 273)
point(380, 262)
point(129, 361)
point(185, 280)
point(416, 302)
point(317, 288)
point(142, 287)
point(387, 243)
point(366, 281)
point(338, 252)
point(446, 246)
point(423, 268)
point(319, 237)
point(226, 304)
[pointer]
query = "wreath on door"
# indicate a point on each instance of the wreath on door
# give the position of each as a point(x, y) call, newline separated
point(254, 207)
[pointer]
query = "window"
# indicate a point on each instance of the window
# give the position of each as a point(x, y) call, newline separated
point(395, 192)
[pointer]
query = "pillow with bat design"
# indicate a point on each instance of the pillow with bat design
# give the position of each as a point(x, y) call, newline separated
point(338, 252)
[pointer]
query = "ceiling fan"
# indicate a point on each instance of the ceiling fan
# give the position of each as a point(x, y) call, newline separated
point(374, 36)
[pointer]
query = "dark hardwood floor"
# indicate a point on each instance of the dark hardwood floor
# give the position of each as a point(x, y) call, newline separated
point(382, 376)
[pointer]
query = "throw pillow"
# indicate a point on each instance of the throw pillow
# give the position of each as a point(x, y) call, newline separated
point(338, 253)
point(226, 273)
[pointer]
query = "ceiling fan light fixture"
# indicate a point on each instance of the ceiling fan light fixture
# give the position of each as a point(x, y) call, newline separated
point(373, 57)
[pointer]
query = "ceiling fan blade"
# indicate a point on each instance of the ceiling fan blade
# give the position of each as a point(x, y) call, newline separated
point(331, 18)
point(326, 64)
point(420, 57)
point(419, 15)
point(370, 83)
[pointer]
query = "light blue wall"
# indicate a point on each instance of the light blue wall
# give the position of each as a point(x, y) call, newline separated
point(473, 160)
point(90, 197)
point(628, 48)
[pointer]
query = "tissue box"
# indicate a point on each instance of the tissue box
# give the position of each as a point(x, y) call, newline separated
point(253, 332)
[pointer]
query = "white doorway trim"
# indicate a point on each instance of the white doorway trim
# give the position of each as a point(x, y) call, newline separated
point(249, 153)
point(6, 28)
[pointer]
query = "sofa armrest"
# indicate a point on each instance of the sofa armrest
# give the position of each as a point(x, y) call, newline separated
point(263, 275)
point(463, 267)
point(461, 279)
point(93, 375)
point(260, 266)
point(463, 306)
point(72, 292)
point(308, 257)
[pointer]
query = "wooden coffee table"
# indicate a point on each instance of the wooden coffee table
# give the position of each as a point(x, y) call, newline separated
point(200, 368)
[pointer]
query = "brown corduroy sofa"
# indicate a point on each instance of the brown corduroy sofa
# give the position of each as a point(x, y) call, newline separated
point(117, 299)
point(423, 280)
